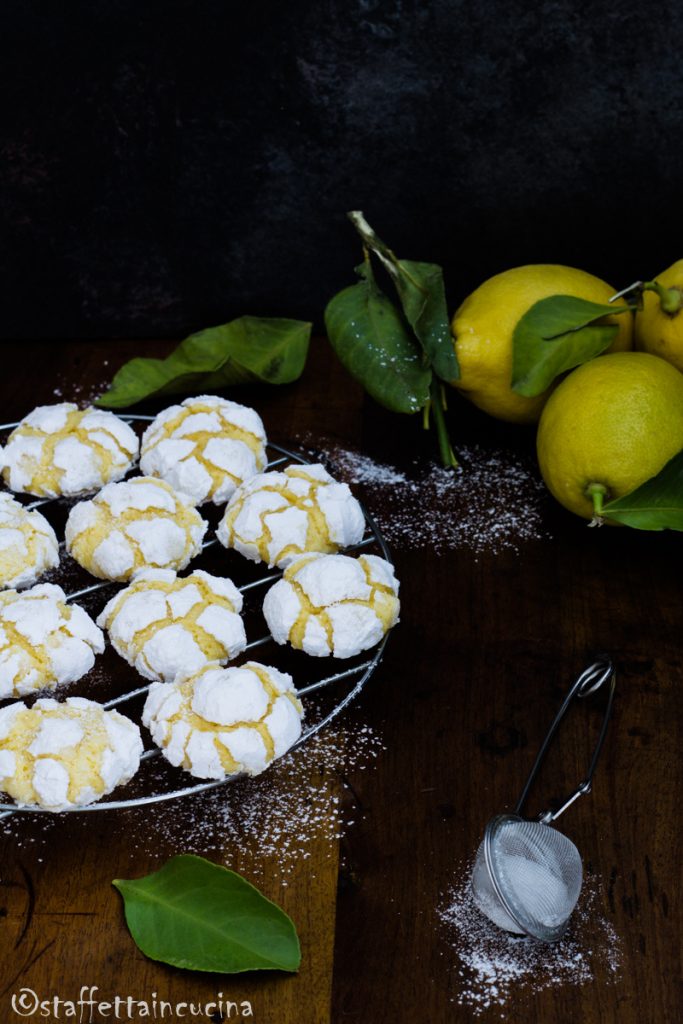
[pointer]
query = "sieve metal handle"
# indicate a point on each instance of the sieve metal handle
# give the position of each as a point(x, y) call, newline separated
point(591, 679)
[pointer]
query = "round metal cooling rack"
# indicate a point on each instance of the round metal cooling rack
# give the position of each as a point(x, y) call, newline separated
point(361, 671)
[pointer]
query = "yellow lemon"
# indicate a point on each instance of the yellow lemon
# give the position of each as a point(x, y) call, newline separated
point(484, 324)
point(659, 325)
point(608, 427)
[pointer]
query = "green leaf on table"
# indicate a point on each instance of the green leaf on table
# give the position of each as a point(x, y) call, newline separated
point(555, 335)
point(655, 505)
point(245, 350)
point(371, 339)
point(421, 290)
point(195, 914)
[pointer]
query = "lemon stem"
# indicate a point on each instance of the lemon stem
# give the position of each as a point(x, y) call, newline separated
point(447, 454)
point(670, 299)
point(597, 494)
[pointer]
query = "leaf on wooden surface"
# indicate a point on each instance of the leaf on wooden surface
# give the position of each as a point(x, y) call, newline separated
point(245, 350)
point(195, 914)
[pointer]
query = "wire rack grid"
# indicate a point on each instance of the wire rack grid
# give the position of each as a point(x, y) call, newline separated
point(358, 674)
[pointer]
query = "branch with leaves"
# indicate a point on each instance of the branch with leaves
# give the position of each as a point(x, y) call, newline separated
point(401, 353)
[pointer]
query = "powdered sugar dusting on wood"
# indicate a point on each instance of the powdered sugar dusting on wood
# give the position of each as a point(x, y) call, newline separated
point(495, 969)
point(495, 502)
point(302, 799)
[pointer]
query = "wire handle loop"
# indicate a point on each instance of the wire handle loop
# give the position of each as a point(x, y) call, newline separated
point(587, 682)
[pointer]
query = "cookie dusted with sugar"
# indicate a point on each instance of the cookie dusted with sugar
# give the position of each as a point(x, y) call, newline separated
point(59, 755)
point(138, 524)
point(163, 624)
point(333, 604)
point(224, 721)
point(63, 450)
point(28, 545)
point(205, 447)
point(275, 517)
point(44, 642)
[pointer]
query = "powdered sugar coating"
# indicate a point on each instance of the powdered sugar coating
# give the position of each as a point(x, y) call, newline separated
point(224, 721)
point(205, 447)
point(58, 755)
point(44, 642)
point(163, 624)
point(333, 604)
point(134, 525)
point(63, 450)
point(275, 517)
point(28, 545)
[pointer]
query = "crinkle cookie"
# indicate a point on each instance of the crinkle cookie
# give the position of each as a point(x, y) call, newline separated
point(163, 624)
point(58, 755)
point(44, 641)
point(224, 721)
point(333, 604)
point(205, 447)
point(28, 545)
point(63, 450)
point(140, 523)
point(275, 517)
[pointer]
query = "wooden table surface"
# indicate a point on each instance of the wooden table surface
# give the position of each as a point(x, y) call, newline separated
point(471, 678)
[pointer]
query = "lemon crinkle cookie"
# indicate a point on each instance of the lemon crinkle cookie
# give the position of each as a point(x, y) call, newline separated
point(205, 447)
point(333, 604)
point(44, 642)
point(275, 517)
point(28, 545)
point(224, 721)
point(63, 450)
point(137, 524)
point(163, 624)
point(58, 755)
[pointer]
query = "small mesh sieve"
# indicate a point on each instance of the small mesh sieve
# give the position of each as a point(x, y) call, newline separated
point(527, 876)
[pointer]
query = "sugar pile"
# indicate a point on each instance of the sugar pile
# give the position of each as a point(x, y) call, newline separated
point(494, 967)
point(495, 502)
point(279, 814)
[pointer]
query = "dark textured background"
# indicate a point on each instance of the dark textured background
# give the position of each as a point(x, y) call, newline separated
point(166, 166)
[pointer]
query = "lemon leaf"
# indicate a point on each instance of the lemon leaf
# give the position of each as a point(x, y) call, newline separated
point(555, 335)
point(244, 350)
point(195, 914)
point(655, 505)
point(422, 295)
point(421, 290)
point(371, 339)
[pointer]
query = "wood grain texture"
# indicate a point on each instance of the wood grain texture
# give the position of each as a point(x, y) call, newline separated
point(486, 647)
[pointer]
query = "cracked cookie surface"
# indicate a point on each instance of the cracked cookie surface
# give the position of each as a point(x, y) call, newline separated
point(44, 642)
point(333, 604)
point(224, 721)
point(206, 447)
point(63, 450)
point(163, 624)
point(138, 524)
point(275, 517)
point(28, 545)
point(58, 755)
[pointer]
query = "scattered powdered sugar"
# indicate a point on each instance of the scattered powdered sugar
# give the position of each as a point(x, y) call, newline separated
point(357, 468)
point(494, 502)
point(494, 967)
point(279, 814)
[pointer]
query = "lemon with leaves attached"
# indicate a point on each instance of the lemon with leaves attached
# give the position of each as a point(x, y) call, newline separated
point(608, 427)
point(659, 325)
point(484, 325)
